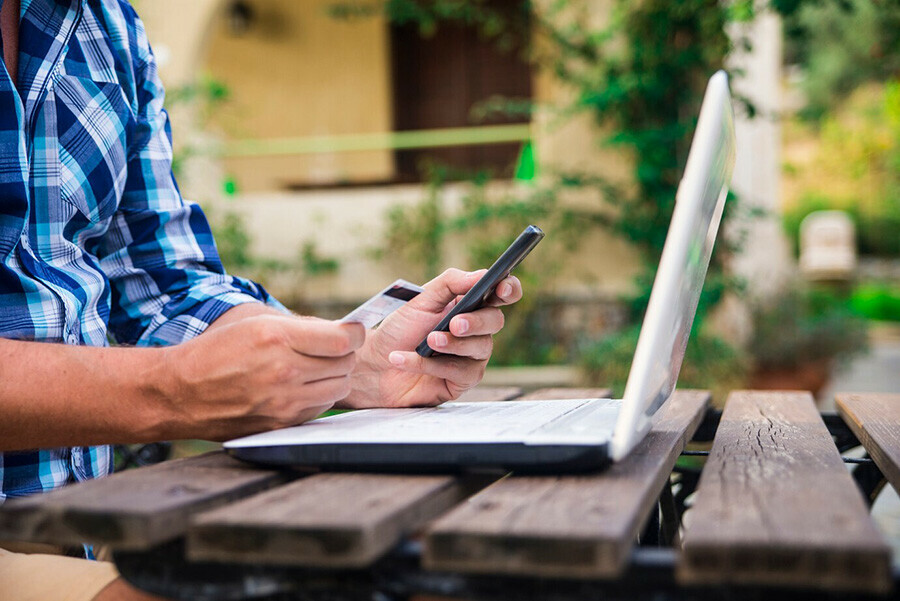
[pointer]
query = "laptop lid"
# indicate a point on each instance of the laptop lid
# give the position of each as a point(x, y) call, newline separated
point(699, 203)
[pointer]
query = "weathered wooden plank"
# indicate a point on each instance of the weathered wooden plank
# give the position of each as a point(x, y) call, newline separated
point(483, 394)
point(875, 420)
point(775, 504)
point(566, 526)
point(332, 520)
point(545, 394)
point(134, 509)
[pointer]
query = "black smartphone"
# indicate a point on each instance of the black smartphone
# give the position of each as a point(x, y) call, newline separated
point(478, 295)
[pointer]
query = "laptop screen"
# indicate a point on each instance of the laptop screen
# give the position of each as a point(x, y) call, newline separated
point(682, 269)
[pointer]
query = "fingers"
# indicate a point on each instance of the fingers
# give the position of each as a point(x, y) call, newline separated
point(473, 347)
point(487, 321)
point(314, 369)
point(445, 288)
point(461, 372)
point(322, 394)
point(299, 404)
point(508, 291)
point(449, 286)
point(313, 337)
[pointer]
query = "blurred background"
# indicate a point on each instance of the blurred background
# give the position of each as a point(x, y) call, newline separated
point(338, 145)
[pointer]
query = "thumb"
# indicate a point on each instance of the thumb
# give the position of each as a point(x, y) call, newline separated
point(445, 288)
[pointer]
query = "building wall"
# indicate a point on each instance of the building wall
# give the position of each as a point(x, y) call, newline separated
point(297, 72)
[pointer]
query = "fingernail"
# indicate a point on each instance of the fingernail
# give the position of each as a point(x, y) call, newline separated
point(462, 326)
point(397, 359)
point(505, 290)
point(440, 339)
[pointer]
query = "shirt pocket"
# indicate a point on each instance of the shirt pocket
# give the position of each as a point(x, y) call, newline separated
point(92, 124)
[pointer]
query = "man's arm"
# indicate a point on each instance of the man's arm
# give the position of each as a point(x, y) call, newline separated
point(255, 373)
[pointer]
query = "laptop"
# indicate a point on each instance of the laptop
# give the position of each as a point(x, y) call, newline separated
point(548, 435)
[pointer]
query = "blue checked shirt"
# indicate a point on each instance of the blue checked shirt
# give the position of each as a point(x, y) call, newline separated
point(95, 239)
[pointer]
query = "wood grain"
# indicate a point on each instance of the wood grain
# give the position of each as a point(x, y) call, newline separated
point(134, 509)
point(330, 520)
point(566, 526)
point(484, 394)
point(776, 505)
point(875, 420)
point(547, 394)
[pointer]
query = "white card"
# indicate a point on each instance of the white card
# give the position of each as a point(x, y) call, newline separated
point(374, 310)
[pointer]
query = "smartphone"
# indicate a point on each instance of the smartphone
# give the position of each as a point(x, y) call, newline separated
point(478, 295)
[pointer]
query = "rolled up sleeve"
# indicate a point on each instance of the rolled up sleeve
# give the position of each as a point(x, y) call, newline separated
point(167, 281)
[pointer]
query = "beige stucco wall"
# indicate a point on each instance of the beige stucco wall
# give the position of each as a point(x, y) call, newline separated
point(300, 72)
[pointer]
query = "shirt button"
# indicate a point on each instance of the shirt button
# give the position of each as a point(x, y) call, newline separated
point(72, 338)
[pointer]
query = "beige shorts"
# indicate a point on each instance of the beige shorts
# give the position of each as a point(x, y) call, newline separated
point(36, 575)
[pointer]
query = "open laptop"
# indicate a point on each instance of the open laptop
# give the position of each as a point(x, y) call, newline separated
point(554, 435)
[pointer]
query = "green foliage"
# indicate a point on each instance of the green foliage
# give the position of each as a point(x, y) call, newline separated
point(641, 74)
point(415, 234)
point(841, 44)
point(232, 240)
point(204, 96)
point(880, 302)
point(800, 326)
point(710, 363)
point(856, 169)
point(314, 263)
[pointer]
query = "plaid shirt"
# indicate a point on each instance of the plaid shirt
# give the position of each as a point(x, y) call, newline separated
point(95, 239)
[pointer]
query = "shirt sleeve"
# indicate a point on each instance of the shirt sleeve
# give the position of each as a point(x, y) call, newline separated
point(167, 281)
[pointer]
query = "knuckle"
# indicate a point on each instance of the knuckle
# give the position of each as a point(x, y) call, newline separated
point(282, 371)
point(265, 334)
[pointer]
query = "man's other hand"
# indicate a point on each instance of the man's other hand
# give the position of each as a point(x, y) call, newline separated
point(391, 374)
point(259, 373)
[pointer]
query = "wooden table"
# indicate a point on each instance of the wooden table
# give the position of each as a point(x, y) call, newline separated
point(774, 513)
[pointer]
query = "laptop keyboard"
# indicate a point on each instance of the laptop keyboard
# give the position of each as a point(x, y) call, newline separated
point(597, 418)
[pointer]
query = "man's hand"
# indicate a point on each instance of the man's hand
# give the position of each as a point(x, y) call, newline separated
point(260, 373)
point(391, 374)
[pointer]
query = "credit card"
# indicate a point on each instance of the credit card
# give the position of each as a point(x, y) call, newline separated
point(374, 310)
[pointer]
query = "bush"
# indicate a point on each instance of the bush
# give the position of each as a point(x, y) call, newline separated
point(710, 363)
point(802, 326)
point(876, 301)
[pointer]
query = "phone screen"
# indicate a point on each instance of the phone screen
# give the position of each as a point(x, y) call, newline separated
point(484, 288)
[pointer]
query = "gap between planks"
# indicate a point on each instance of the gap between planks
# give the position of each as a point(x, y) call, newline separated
point(566, 526)
point(301, 524)
point(776, 505)
point(135, 509)
point(875, 420)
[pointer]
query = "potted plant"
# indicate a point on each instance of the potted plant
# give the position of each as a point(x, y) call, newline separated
point(798, 337)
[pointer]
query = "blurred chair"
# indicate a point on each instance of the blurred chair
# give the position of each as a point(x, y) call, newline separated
point(827, 247)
